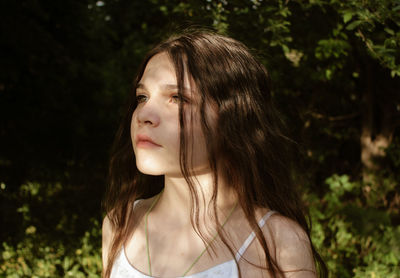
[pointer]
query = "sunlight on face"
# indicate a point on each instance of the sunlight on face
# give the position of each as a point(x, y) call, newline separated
point(155, 122)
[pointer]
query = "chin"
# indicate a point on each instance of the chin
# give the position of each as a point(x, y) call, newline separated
point(149, 170)
point(152, 168)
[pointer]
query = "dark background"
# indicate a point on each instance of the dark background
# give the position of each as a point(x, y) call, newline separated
point(67, 68)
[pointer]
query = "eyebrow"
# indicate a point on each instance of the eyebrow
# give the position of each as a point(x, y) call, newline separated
point(164, 87)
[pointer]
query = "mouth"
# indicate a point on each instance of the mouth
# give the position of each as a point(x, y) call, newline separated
point(144, 141)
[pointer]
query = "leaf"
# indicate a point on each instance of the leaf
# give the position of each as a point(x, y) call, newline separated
point(285, 48)
point(347, 17)
point(353, 25)
point(389, 31)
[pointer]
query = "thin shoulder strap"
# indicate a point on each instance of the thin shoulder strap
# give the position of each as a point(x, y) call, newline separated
point(136, 202)
point(251, 237)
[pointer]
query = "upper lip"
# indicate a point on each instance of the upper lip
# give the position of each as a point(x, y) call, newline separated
point(142, 137)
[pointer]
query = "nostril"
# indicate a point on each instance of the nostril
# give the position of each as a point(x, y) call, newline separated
point(148, 115)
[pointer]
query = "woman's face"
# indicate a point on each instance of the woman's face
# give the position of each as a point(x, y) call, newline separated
point(155, 129)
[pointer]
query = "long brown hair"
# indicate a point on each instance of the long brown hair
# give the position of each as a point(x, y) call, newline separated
point(247, 146)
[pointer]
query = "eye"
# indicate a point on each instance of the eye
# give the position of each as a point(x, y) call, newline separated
point(141, 98)
point(176, 99)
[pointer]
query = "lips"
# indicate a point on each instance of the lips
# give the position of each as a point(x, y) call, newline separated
point(145, 141)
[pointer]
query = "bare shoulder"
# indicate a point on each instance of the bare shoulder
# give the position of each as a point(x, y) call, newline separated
point(291, 244)
point(107, 235)
point(283, 229)
point(108, 229)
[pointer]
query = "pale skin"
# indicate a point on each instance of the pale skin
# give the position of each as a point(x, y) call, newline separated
point(173, 242)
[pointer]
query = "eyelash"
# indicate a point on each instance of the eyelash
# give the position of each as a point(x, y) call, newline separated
point(140, 98)
point(176, 98)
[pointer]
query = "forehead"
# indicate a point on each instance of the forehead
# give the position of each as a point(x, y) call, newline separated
point(159, 69)
point(160, 72)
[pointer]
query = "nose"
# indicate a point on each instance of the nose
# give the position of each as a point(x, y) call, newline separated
point(148, 114)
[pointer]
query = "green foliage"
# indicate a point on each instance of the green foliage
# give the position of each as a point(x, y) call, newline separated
point(52, 241)
point(376, 24)
point(356, 240)
point(37, 256)
point(68, 69)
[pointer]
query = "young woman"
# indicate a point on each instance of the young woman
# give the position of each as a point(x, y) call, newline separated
point(200, 174)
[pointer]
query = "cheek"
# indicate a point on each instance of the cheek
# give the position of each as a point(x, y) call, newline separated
point(197, 146)
point(200, 150)
point(132, 126)
point(158, 161)
point(169, 130)
point(199, 139)
point(171, 139)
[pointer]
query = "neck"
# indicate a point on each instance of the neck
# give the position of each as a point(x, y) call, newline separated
point(176, 198)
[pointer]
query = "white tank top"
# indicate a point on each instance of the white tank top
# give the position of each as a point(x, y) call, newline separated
point(123, 269)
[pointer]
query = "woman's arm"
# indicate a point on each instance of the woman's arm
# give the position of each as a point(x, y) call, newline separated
point(293, 252)
point(107, 235)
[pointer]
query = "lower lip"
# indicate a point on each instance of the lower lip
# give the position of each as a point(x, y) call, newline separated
point(146, 144)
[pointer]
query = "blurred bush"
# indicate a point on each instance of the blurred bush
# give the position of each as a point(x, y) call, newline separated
point(67, 70)
point(35, 256)
point(48, 242)
point(354, 231)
